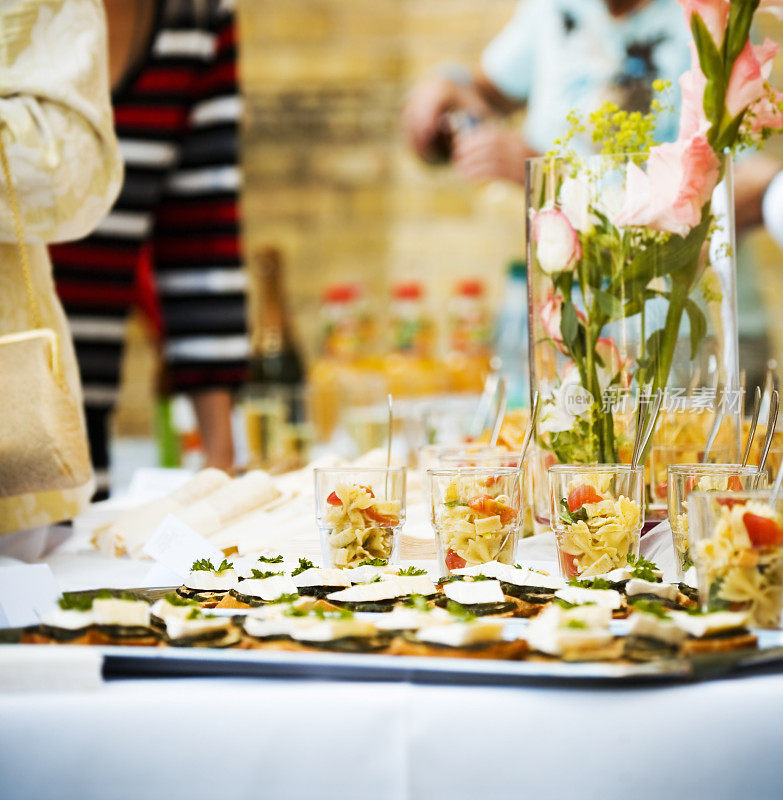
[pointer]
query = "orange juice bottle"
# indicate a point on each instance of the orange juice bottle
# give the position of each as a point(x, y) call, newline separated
point(469, 337)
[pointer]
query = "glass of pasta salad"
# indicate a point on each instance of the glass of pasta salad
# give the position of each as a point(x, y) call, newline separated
point(360, 513)
point(682, 479)
point(597, 516)
point(476, 514)
point(736, 539)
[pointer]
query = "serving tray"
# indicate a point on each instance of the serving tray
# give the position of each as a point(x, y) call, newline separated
point(153, 662)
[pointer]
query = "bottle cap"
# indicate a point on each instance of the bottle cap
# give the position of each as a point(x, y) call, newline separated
point(341, 293)
point(517, 269)
point(409, 290)
point(470, 287)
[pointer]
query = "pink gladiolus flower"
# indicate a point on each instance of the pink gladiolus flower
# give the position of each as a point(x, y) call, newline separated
point(670, 196)
point(557, 245)
point(773, 7)
point(766, 113)
point(750, 71)
point(693, 120)
point(714, 14)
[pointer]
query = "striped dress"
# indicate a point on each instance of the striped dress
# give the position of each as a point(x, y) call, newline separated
point(176, 116)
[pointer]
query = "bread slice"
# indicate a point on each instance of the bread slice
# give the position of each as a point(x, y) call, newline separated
point(741, 640)
point(503, 651)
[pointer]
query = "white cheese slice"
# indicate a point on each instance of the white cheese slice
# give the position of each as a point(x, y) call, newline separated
point(163, 609)
point(264, 628)
point(112, 611)
point(667, 591)
point(550, 633)
point(180, 628)
point(698, 625)
point(461, 634)
point(412, 584)
point(204, 580)
point(68, 619)
point(653, 627)
point(616, 575)
point(472, 592)
point(364, 574)
point(331, 629)
point(267, 588)
point(520, 577)
point(407, 619)
point(368, 592)
point(607, 598)
point(318, 576)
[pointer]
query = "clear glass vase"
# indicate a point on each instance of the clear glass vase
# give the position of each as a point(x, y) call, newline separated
point(620, 309)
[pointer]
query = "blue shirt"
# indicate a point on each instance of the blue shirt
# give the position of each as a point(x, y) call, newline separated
point(559, 55)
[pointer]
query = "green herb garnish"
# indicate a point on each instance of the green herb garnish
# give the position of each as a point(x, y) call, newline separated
point(411, 571)
point(454, 503)
point(451, 579)
point(459, 611)
point(271, 559)
point(643, 569)
point(650, 607)
point(304, 564)
point(590, 583)
point(374, 562)
point(259, 574)
point(285, 598)
point(175, 600)
point(576, 624)
point(417, 601)
point(714, 601)
point(194, 613)
point(572, 517)
point(340, 613)
point(224, 565)
point(71, 601)
point(203, 565)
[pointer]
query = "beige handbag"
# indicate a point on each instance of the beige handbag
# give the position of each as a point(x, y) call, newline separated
point(43, 444)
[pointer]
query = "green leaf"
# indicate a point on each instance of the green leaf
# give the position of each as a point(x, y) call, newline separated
point(411, 571)
point(650, 607)
point(304, 564)
point(698, 325)
point(569, 324)
point(738, 29)
point(271, 559)
point(643, 568)
point(611, 305)
point(259, 574)
point(714, 601)
point(203, 565)
point(711, 62)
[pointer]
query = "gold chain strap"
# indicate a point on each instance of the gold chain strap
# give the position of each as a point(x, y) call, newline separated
point(32, 300)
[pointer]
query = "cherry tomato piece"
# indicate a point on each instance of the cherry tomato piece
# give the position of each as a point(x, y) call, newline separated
point(580, 495)
point(454, 561)
point(382, 519)
point(485, 504)
point(763, 531)
point(334, 500)
point(734, 484)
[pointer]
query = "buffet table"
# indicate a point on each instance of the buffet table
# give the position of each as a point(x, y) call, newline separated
point(68, 732)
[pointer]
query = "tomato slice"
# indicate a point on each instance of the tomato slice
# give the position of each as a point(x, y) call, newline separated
point(485, 504)
point(763, 531)
point(382, 519)
point(334, 500)
point(691, 484)
point(661, 489)
point(580, 495)
point(734, 484)
point(454, 561)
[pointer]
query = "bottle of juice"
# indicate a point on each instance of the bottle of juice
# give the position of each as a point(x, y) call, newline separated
point(470, 337)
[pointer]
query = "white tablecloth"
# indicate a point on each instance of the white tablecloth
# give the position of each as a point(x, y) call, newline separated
point(212, 738)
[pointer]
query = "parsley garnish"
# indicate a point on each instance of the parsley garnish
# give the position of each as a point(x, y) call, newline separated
point(590, 583)
point(459, 611)
point(374, 562)
point(261, 575)
point(576, 624)
point(572, 517)
point(454, 503)
point(340, 613)
point(411, 571)
point(176, 600)
point(71, 601)
point(715, 602)
point(203, 565)
point(224, 565)
point(451, 579)
point(565, 604)
point(286, 598)
point(304, 564)
point(650, 607)
point(195, 613)
point(271, 559)
point(643, 569)
point(417, 601)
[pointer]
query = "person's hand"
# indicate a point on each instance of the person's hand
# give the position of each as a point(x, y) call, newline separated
point(422, 115)
point(491, 153)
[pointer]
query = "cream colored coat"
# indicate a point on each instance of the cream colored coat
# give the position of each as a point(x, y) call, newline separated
point(58, 130)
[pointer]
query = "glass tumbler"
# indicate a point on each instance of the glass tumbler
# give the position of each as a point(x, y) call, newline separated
point(736, 539)
point(476, 515)
point(360, 513)
point(682, 479)
point(597, 513)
